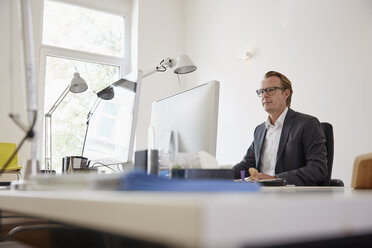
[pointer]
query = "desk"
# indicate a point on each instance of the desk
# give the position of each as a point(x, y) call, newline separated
point(206, 219)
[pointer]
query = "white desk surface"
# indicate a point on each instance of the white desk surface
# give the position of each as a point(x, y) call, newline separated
point(272, 216)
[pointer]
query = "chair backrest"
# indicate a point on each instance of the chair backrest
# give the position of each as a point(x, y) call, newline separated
point(6, 150)
point(328, 132)
point(362, 172)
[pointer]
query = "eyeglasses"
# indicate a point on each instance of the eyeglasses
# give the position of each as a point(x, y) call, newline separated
point(270, 91)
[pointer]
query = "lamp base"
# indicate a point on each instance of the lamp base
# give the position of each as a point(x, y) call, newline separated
point(32, 168)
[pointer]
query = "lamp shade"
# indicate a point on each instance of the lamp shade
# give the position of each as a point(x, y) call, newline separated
point(78, 84)
point(107, 93)
point(184, 65)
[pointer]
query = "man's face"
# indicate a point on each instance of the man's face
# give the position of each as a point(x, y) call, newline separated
point(275, 103)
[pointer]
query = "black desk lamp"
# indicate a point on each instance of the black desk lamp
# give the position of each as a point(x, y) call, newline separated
point(105, 94)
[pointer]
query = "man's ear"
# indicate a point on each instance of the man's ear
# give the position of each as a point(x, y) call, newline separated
point(287, 92)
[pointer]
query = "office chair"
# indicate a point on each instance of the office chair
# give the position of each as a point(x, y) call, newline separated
point(6, 150)
point(328, 132)
point(362, 172)
point(12, 172)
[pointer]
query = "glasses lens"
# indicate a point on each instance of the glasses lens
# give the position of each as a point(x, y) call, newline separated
point(271, 91)
point(260, 92)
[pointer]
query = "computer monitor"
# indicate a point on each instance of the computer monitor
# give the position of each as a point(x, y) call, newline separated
point(192, 115)
point(110, 137)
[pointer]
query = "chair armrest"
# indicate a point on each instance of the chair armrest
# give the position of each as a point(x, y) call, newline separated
point(336, 182)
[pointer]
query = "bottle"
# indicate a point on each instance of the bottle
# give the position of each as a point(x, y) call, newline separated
point(164, 164)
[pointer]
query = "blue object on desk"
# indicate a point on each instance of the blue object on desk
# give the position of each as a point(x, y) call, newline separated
point(242, 175)
point(140, 181)
point(164, 173)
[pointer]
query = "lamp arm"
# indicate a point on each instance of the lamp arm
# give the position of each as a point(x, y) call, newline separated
point(85, 137)
point(93, 109)
point(48, 130)
point(168, 62)
point(149, 72)
point(48, 142)
point(58, 102)
point(89, 116)
point(16, 119)
point(164, 64)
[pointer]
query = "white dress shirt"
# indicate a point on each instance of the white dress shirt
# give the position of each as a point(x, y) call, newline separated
point(270, 147)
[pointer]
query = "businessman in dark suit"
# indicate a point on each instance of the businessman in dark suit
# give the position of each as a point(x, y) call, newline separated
point(289, 144)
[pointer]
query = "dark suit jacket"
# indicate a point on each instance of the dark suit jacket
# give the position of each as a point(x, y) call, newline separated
point(302, 154)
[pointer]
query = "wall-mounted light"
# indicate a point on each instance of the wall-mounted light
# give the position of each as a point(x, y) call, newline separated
point(246, 56)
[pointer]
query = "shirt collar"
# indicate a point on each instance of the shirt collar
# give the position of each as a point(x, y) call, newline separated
point(279, 121)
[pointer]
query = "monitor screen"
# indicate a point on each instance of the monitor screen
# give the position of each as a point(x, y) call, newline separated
point(111, 129)
point(189, 117)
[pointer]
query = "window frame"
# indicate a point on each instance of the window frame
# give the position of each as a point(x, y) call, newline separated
point(47, 50)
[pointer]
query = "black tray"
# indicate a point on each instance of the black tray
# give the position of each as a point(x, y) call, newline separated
point(273, 182)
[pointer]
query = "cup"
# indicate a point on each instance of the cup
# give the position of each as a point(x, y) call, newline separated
point(71, 163)
point(152, 162)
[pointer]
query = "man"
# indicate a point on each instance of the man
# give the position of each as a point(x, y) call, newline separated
point(289, 144)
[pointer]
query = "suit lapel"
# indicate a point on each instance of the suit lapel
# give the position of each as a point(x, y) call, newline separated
point(288, 121)
point(261, 138)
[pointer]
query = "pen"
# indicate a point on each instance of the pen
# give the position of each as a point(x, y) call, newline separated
point(242, 175)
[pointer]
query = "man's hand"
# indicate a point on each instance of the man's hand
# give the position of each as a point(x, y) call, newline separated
point(261, 176)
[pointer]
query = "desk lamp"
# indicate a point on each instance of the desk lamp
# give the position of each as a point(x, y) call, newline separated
point(105, 94)
point(77, 85)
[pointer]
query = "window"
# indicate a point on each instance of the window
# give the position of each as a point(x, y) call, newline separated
point(77, 39)
point(82, 29)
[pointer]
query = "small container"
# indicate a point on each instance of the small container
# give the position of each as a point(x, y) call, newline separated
point(71, 163)
point(152, 162)
point(164, 165)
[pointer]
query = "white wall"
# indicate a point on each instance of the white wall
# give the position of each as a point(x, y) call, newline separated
point(324, 47)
